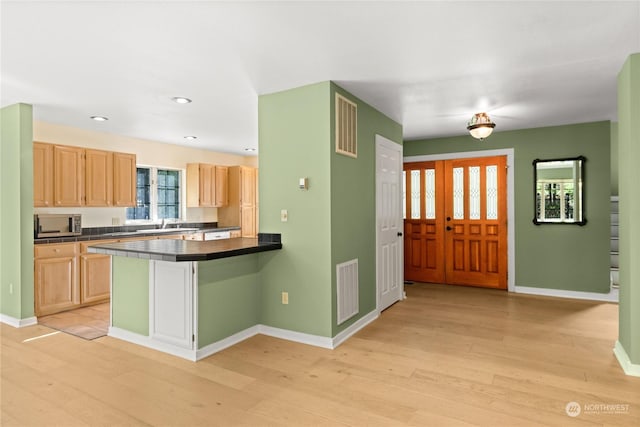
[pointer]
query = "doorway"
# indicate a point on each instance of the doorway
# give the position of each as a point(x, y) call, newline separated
point(455, 221)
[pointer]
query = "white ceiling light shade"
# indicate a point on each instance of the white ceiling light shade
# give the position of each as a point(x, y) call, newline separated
point(99, 118)
point(190, 137)
point(181, 100)
point(480, 126)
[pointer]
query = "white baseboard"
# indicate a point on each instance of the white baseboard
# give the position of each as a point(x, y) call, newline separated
point(18, 323)
point(286, 334)
point(217, 346)
point(359, 324)
point(632, 369)
point(612, 296)
point(208, 350)
point(145, 341)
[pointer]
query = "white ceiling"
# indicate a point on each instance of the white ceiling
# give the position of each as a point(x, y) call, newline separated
point(428, 65)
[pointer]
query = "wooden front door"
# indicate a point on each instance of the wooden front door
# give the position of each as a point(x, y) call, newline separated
point(456, 222)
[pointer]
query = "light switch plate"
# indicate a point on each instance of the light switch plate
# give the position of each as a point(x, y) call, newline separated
point(284, 215)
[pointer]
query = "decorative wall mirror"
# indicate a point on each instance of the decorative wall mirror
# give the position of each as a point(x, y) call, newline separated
point(559, 191)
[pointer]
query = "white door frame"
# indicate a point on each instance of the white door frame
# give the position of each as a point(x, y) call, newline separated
point(511, 240)
point(382, 141)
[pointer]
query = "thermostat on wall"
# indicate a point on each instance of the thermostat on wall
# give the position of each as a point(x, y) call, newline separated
point(303, 183)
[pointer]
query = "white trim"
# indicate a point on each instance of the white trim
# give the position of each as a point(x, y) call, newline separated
point(511, 218)
point(208, 350)
point(612, 296)
point(286, 334)
point(632, 369)
point(234, 339)
point(357, 325)
point(146, 341)
point(18, 323)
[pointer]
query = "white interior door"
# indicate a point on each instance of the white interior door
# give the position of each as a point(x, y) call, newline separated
point(389, 270)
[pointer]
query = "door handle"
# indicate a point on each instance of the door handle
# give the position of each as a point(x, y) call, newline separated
point(449, 228)
point(399, 234)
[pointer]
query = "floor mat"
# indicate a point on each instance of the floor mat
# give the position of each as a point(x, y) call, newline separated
point(87, 322)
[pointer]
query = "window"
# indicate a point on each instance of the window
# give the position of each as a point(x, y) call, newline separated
point(157, 195)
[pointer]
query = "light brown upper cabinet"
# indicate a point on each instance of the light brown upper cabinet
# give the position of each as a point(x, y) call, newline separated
point(124, 179)
point(76, 176)
point(222, 186)
point(42, 175)
point(242, 208)
point(206, 185)
point(98, 178)
point(68, 176)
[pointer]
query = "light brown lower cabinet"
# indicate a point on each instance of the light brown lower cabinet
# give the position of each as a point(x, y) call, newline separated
point(56, 278)
point(95, 278)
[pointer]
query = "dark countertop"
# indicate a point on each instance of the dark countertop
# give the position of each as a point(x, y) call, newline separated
point(132, 233)
point(190, 250)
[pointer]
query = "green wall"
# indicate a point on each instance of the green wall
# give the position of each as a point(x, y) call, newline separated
point(614, 158)
point(294, 142)
point(555, 256)
point(629, 176)
point(229, 296)
point(130, 294)
point(331, 222)
point(16, 211)
point(353, 203)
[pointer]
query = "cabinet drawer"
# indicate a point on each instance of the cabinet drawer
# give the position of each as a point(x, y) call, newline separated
point(194, 236)
point(56, 250)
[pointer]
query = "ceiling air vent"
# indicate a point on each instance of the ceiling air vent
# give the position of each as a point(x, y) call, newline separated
point(346, 125)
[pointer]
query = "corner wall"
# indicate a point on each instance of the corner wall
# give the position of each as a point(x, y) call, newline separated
point(629, 204)
point(554, 256)
point(16, 212)
point(353, 204)
point(294, 142)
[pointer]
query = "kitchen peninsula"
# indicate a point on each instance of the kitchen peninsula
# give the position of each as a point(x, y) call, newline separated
point(187, 298)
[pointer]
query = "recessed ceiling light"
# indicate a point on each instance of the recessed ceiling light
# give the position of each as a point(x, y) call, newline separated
point(249, 149)
point(181, 100)
point(99, 118)
point(190, 137)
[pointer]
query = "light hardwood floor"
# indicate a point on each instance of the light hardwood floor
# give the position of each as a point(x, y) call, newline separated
point(445, 356)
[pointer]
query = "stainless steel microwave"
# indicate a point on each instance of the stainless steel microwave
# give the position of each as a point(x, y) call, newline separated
point(57, 225)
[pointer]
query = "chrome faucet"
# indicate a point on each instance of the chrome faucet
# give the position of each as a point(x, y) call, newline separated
point(163, 224)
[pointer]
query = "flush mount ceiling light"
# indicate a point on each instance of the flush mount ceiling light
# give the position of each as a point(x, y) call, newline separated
point(480, 126)
point(190, 137)
point(99, 118)
point(250, 149)
point(181, 100)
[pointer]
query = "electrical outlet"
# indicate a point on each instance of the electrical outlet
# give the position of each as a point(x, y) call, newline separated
point(11, 288)
point(284, 215)
point(115, 221)
point(285, 297)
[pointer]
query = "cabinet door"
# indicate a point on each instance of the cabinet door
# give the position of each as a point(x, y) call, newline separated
point(248, 221)
point(247, 186)
point(42, 175)
point(98, 182)
point(56, 285)
point(207, 185)
point(221, 186)
point(171, 303)
point(124, 179)
point(68, 173)
point(95, 277)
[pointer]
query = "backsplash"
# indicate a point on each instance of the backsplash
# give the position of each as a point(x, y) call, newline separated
point(114, 217)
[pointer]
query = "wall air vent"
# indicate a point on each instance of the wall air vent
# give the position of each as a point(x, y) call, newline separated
point(347, 290)
point(346, 127)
